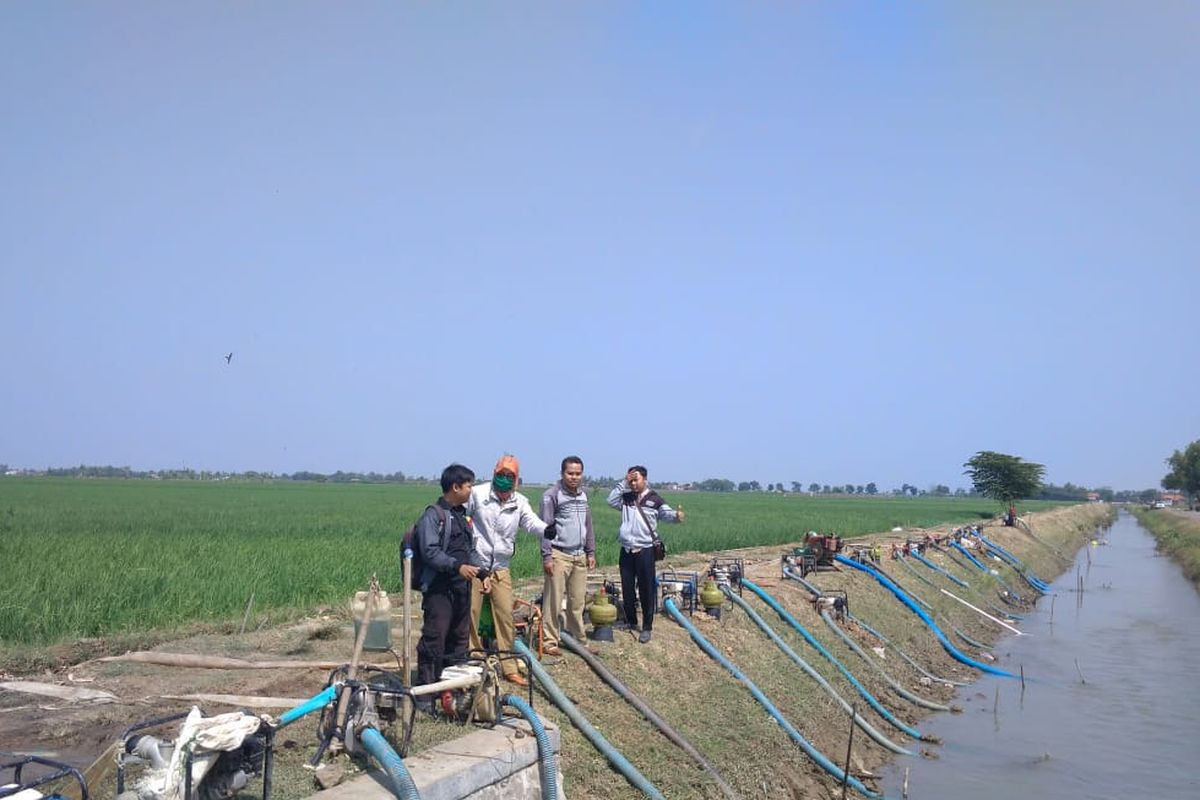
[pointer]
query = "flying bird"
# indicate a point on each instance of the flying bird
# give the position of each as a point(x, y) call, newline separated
point(229, 357)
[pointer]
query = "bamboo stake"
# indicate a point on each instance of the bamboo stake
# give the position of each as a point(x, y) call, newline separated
point(849, 744)
point(406, 662)
point(246, 616)
point(359, 641)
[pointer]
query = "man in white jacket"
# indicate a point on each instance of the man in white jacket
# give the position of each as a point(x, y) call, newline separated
point(497, 512)
point(641, 510)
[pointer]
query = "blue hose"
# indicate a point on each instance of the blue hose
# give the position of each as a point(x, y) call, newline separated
point(973, 559)
point(1024, 571)
point(903, 655)
point(903, 588)
point(981, 566)
point(904, 563)
point(816, 676)
point(949, 647)
point(545, 749)
point(594, 736)
point(402, 783)
point(316, 703)
point(817, 756)
point(914, 596)
point(941, 570)
point(808, 637)
point(996, 610)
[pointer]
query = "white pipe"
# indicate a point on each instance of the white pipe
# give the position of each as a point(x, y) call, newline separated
point(984, 613)
point(459, 682)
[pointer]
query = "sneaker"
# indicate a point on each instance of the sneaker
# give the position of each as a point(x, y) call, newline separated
point(645, 637)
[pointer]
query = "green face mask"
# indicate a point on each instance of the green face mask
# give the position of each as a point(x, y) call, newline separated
point(503, 483)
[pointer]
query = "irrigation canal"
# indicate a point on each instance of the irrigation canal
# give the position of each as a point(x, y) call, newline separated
point(1123, 723)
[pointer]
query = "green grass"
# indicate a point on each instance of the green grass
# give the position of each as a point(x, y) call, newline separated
point(1179, 538)
point(92, 558)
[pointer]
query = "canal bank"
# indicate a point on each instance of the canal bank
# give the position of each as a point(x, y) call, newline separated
point(1113, 713)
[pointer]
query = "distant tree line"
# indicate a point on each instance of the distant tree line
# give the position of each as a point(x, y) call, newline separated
point(1049, 491)
point(188, 474)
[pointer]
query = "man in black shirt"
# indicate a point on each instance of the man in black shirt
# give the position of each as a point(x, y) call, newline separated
point(448, 565)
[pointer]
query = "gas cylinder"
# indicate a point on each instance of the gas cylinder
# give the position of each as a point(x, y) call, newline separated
point(712, 598)
point(602, 614)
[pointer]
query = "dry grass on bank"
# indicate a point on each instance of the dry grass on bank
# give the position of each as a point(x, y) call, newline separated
point(1177, 536)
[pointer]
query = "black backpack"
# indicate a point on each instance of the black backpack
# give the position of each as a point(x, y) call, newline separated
point(409, 542)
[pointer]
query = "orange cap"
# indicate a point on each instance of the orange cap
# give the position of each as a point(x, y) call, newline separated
point(508, 463)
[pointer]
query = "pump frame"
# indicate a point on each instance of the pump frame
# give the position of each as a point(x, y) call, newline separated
point(123, 755)
point(688, 597)
point(17, 763)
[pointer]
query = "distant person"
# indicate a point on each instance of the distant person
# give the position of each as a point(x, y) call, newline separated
point(641, 509)
point(567, 559)
point(497, 512)
point(449, 562)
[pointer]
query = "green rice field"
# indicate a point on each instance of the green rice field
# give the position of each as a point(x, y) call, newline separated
point(90, 558)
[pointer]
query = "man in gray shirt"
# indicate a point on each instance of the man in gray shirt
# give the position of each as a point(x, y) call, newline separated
point(567, 558)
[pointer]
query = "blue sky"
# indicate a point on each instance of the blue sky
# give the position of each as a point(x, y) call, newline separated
point(813, 242)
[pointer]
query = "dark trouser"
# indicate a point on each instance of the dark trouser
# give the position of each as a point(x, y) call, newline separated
point(638, 567)
point(444, 635)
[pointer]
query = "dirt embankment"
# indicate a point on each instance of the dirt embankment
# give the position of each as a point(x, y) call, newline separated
point(685, 686)
point(1177, 532)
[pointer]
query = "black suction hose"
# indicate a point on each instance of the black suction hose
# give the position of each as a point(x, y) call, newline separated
point(888, 679)
point(620, 688)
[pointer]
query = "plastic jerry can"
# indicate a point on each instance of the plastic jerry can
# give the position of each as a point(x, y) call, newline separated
point(379, 626)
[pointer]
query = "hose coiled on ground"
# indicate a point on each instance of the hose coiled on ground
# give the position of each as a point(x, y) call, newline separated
point(816, 676)
point(949, 647)
point(819, 758)
point(594, 736)
point(402, 783)
point(545, 749)
point(872, 701)
point(644, 709)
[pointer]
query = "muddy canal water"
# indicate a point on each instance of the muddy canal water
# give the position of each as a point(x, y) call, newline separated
point(1129, 729)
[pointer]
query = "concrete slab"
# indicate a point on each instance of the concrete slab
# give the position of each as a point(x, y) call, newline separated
point(498, 763)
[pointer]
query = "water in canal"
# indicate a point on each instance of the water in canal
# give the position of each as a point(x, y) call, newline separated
point(1129, 729)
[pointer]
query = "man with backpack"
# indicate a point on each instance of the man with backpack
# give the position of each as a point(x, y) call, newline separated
point(445, 563)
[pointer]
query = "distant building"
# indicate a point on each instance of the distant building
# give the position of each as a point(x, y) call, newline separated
point(1093, 497)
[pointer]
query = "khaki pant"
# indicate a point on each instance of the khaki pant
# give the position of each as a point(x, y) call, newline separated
point(502, 618)
point(569, 580)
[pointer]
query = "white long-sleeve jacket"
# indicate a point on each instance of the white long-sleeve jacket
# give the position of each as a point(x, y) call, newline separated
point(496, 523)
